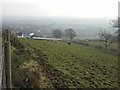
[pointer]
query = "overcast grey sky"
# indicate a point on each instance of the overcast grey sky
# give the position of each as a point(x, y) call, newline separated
point(61, 8)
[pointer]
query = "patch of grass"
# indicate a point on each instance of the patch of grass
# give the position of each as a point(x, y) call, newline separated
point(26, 72)
point(114, 45)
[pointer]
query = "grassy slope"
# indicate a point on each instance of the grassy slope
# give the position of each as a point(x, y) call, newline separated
point(80, 66)
point(97, 43)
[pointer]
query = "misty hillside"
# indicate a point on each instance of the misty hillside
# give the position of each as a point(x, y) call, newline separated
point(85, 28)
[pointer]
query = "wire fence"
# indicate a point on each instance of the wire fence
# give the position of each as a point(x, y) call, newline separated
point(2, 73)
point(1, 69)
point(5, 62)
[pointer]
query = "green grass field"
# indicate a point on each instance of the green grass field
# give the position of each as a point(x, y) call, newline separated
point(57, 64)
point(113, 45)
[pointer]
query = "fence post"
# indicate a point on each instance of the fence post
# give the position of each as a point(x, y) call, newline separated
point(8, 60)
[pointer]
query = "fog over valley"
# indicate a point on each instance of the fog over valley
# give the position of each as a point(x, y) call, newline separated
point(85, 28)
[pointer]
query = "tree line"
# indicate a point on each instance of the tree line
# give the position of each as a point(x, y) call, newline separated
point(104, 35)
point(70, 33)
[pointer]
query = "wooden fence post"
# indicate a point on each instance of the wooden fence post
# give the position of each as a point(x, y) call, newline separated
point(8, 60)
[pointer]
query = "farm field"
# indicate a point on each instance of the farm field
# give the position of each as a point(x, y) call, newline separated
point(47, 64)
point(114, 45)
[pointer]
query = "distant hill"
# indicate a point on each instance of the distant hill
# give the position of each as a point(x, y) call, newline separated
point(85, 28)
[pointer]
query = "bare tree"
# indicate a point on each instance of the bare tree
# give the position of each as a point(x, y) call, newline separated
point(116, 24)
point(70, 33)
point(106, 37)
